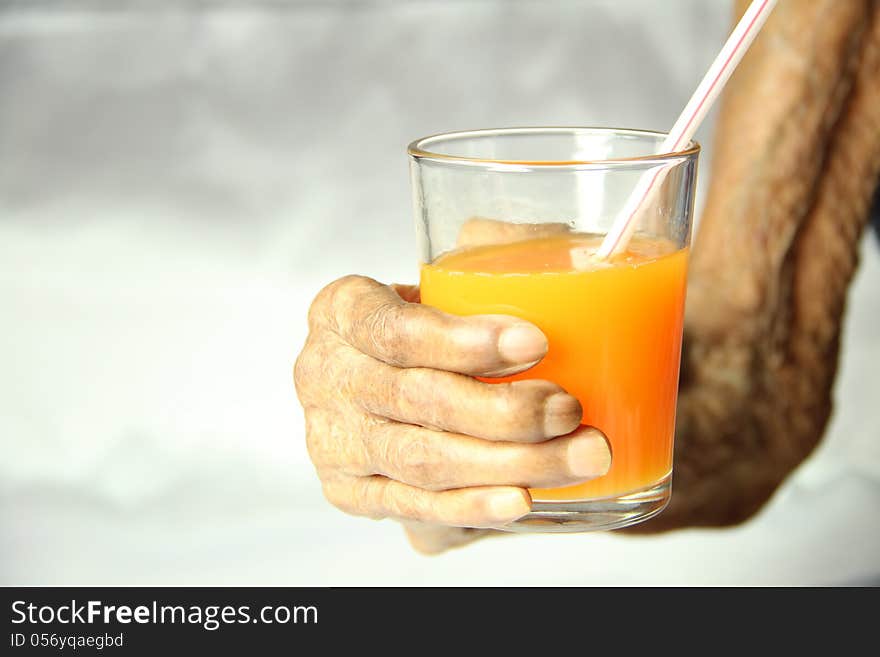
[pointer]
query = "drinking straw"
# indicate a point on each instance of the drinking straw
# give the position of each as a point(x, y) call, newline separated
point(695, 111)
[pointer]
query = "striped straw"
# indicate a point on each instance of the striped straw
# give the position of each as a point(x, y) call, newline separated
point(682, 132)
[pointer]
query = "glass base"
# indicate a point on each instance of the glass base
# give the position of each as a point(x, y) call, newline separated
point(596, 514)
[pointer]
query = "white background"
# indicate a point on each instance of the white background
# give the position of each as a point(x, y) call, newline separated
point(178, 179)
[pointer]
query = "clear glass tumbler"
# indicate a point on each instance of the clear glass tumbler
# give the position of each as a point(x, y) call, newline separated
point(508, 221)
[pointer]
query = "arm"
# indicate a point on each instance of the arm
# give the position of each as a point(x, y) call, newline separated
point(795, 167)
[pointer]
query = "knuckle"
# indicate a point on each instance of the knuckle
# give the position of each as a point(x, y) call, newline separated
point(302, 373)
point(335, 296)
point(462, 510)
point(481, 514)
point(316, 443)
point(443, 400)
point(508, 400)
point(339, 497)
point(418, 460)
point(351, 452)
point(474, 340)
point(374, 498)
point(419, 380)
point(402, 504)
point(376, 446)
point(524, 461)
point(418, 392)
point(338, 446)
point(518, 407)
point(323, 371)
point(415, 459)
point(307, 368)
point(386, 328)
point(321, 302)
point(352, 497)
point(404, 454)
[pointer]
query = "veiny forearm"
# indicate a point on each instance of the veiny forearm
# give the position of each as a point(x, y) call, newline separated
point(796, 162)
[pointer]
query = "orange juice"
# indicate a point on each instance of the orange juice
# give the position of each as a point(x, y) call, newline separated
point(614, 332)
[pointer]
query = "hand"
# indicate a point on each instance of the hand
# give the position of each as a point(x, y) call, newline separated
point(397, 427)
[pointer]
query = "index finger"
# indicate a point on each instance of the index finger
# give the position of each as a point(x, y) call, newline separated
point(373, 319)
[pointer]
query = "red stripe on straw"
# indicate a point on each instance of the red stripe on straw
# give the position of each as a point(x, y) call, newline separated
point(723, 66)
point(721, 72)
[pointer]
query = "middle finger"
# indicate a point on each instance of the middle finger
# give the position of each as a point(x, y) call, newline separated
point(520, 411)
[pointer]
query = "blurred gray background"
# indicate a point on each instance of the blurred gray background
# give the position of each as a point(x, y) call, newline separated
point(178, 179)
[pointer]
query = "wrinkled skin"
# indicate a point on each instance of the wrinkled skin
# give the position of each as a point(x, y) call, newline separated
point(397, 426)
point(410, 435)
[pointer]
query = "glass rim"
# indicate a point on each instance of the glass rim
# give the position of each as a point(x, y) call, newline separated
point(419, 149)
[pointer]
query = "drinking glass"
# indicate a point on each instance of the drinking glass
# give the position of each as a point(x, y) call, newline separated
point(508, 221)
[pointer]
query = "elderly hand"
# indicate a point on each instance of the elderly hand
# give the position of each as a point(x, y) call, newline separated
point(397, 426)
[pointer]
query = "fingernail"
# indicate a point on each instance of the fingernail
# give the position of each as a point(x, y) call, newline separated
point(508, 506)
point(522, 343)
point(589, 455)
point(562, 414)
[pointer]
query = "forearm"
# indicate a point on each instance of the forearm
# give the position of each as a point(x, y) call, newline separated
point(796, 162)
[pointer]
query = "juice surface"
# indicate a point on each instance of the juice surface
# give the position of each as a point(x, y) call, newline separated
point(614, 332)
